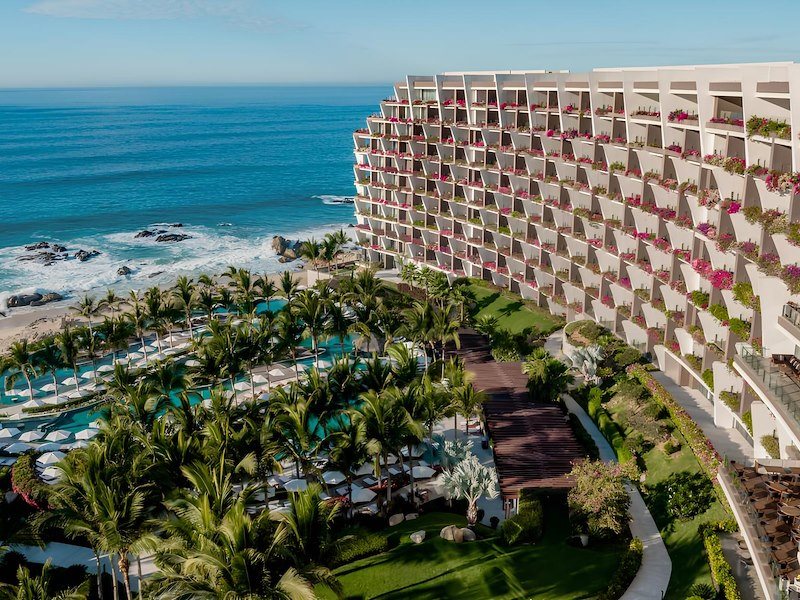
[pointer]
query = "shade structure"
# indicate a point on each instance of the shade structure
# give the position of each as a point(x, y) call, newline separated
point(18, 448)
point(365, 469)
point(59, 435)
point(86, 434)
point(259, 379)
point(50, 458)
point(296, 485)
point(71, 381)
point(192, 363)
point(391, 459)
point(31, 436)
point(135, 356)
point(89, 375)
point(48, 387)
point(241, 386)
point(361, 495)
point(333, 477)
point(76, 394)
point(49, 447)
point(275, 373)
point(105, 369)
point(96, 424)
point(416, 451)
point(421, 472)
point(53, 400)
point(77, 444)
point(25, 393)
point(51, 473)
point(12, 392)
point(8, 432)
point(33, 403)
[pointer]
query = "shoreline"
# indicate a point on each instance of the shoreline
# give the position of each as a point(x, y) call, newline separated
point(35, 323)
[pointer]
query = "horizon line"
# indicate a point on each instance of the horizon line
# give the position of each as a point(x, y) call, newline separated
point(192, 85)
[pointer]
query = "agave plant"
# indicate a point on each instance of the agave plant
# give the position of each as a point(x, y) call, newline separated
point(586, 360)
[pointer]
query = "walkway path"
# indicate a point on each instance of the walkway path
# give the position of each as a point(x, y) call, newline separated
point(652, 580)
point(728, 442)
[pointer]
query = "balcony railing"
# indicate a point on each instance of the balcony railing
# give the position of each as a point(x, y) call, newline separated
point(792, 314)
point(782, 390)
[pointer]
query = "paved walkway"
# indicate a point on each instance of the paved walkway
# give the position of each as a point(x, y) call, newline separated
point(652, 580)
point(728, 442)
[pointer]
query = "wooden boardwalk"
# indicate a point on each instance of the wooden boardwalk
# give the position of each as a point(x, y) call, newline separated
point(534, 446)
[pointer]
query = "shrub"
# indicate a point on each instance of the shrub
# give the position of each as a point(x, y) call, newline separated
point(747, 419)
point(771, 445)
point(655, 410)
point(743, 293)
point(708, 378)
point(731, 399)
point(627, 569)
point(719, 312)
point(599, 499)
point(629, 388)
point(704, 591)
point(494, 522)
point(26, 483)
point(359, 546)
point(583, 437)
point(720, 568)
point(526, 526)
point(687, 494)
point(671, 446)
point(626, 356)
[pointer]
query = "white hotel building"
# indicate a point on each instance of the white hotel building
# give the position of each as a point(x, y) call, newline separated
point(658, 201)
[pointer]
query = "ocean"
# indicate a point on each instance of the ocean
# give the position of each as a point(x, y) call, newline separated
point(90, 168)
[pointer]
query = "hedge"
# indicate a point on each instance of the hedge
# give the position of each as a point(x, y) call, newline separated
point(359, 546)
point(626, 571)
point(25, 482)
point(525, 526)
point(703, 450)
point(720, 568)
point(609, 429)
point(583, 437)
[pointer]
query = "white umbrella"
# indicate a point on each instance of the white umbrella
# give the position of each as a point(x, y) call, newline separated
point(24, 393)
point(89, 375)
point(70, 381)
point(365, 469)
point(296, 485)
point(50, 458)
point(12, 392)
point(276, 372)
point(33, 403)
point(391, 459)
point(9, 432)
point(31, 436)
point(135, 356)
point(192, 363)
point(416, 451)
point(78, 444)
point(362, 495)
point(325, 364)
point(52, 400)
point(96, 424)
point(421, 472)
point(86, 434)
point(333, 477)
point(48, 387)
point(242, 386)
point(49, 447)
point(76, 394)
point(59, 435)
point(51, 473)
point(259, 379)
point(105, 369)
point(18, 448)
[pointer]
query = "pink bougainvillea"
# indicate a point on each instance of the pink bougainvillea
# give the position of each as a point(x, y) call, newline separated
point(722, 279)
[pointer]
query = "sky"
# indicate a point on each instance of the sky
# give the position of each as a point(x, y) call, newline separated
point(86, 43)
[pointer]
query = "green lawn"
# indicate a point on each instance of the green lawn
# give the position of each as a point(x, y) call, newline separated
point(684, 544)
point(435, 569)
point(511, 310)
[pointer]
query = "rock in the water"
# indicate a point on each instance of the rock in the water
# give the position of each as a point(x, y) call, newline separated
point(177, 225)
point(418, 536)
point(279, 244)
point(396, 519)
point(37, 246)
point(49, 297)
point(172, 237)
point(23, 300)
point(289, 254)
point(58, 248)
point(124, 270)
point(146, 233)
point(283, 259)
point(468, 535)
point(84, 255)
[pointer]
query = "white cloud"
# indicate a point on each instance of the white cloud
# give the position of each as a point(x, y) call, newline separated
point(239, 12)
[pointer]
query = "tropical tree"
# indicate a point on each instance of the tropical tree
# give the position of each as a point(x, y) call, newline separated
point(138, 317)
point(20, 362)
point(290, 331)
point(311, 310)
point(288, 285)
point(351, 449)
point(87, 307)
point(466, 400)
point(337, 324)
point(419, 326)
point(185, 293)
point(40, 587)
point(69, 346)
point(548, 377)
point(49, 360)
point(310, 250)
point(267, 288)
point(470, 480)
point(110, 301)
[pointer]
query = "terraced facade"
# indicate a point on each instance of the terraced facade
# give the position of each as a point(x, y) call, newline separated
point(660, 202)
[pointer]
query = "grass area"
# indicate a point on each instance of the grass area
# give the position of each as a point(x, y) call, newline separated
point(513, 313)
point(684, 544)
point(435, 569)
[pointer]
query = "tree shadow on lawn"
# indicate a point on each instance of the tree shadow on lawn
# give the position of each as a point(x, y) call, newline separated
point(486, 301)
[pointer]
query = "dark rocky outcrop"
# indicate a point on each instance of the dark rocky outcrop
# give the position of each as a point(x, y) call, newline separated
point(23, 300)
point(124, 270)
point(37, 246)
point(146, 233)
point(49, 297)
point(285, 249)
point(173, 237)
point(84, 255)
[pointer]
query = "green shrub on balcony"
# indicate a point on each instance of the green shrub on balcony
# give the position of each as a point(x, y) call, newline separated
point(719, 312)
point(747, 419)
point(743, 293)
point(768, 128)
point(731, 400)
point(740, 327)
point(699, 298)
point(771, 445)
point(695, 362)
point(708, 378)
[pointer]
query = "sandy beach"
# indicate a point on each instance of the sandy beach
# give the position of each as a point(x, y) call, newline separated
point(34, 323)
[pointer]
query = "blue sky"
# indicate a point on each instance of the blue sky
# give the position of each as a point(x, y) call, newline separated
point(65, 43)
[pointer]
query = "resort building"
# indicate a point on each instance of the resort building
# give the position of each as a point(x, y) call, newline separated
point(659, 202)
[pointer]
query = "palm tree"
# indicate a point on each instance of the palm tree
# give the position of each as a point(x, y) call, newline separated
point(69, 346)
point(434, 404)
point(419, 326)
point(466, 400)
point(19, 361)
point(290, 331)
point(351, 449)
point(40, 587)
point(288, 285)
point(138, 316)
point(50, 360)
point(267, 288)
point(298, 429)
point(207, 300)
point(115, 332)
point(469, 480)
point(409, 273)
point(311, 311)
point(411, 432)
point(225, 345)
point(487, 325)
point(87, 307)
point(444, 329)
point(337, 324)
point(154, 306)
point(310, 250)
point(548, 377)
point(186, 295)
point(110, 301)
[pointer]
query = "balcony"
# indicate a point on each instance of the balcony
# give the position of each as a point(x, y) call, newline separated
point(777, 389)
point(789, 321)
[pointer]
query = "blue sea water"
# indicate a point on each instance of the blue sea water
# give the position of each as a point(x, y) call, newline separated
point(235, 165)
